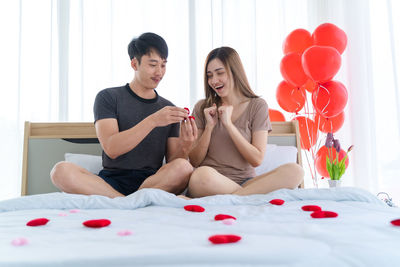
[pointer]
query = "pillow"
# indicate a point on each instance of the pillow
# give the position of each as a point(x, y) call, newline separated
point(276, 156)
point(91, 163)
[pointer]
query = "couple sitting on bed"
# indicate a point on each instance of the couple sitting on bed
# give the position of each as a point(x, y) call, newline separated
point(224, 139)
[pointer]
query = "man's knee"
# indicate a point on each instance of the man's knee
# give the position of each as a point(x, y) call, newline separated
point(61, 173)
point(181, 167)
point(180, 171)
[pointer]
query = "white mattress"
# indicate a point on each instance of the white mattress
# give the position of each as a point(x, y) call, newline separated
point(166, 234)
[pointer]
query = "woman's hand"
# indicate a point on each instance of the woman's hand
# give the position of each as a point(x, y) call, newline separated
point(225, 114)
point(211, 116)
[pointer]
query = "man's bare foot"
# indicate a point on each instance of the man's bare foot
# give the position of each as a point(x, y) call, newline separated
point(184, 197)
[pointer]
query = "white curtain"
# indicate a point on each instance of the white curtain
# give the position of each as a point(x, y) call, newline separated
point(385, 96)
point(55, 55)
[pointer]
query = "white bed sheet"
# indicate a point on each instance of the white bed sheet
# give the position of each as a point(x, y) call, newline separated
point(166, 234)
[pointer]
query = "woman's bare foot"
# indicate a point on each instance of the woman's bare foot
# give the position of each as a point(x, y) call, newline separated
point(184, 197)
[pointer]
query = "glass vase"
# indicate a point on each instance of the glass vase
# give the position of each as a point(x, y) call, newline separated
point(334, 183)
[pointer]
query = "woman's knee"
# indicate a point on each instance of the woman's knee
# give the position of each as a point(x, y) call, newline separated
point(294, 172)
point(201, 176)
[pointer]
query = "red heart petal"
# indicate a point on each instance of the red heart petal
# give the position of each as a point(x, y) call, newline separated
point(323, 214)
point(97, 223)
point(220, 217)
point(222, 239)
point(318, 214)
point(37, 222)
point(330, 214)
point(194, 208)
point(277, 201)
point(396, 222)
point(311, 208)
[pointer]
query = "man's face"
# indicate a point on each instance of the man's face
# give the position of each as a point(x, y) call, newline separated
point(150, 71)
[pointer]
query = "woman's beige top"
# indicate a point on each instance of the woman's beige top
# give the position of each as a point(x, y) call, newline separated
point(222, 153)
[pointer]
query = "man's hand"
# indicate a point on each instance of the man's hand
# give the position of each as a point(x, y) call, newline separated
point(225, 114)
point(188, 134)
point(168, 115)
point(211, 116)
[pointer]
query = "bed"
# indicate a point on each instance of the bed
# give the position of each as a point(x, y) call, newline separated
point(45, 144)
point(155, 228)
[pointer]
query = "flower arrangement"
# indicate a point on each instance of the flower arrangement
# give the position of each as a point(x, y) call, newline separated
point(336, 159)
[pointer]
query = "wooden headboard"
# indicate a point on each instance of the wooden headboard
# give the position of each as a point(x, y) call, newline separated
point(46, 143)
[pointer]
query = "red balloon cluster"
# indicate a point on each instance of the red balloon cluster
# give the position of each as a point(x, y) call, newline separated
point(309, 64)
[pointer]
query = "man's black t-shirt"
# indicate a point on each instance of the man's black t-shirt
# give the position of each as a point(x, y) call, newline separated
point(122, 104)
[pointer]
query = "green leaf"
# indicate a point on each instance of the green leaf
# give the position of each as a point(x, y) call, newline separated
point(342, 165)
point(328, 164)
point(342, 170)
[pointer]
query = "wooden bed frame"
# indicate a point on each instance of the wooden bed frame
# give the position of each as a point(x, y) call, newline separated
point(46, 143)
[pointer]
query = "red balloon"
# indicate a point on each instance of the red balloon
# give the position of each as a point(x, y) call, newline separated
point(330, 98)
point(297, 41)
point(276, 115)
point(320, 159)
point(290, 98)
point(310, 85)
point(329, 125)
point(292, 69)
point(321, 63)
point(308, 132)
point(328, 34)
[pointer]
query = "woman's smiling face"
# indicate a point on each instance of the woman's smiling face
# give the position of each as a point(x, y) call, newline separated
point(218, 78)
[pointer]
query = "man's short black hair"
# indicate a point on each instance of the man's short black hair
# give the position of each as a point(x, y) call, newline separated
point(145, 43)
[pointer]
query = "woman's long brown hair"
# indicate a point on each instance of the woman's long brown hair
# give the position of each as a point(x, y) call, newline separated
point(232, 63)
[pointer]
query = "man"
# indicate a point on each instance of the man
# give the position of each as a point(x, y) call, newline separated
point(136, 128)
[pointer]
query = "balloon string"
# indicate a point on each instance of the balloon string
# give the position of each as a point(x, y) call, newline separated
point(311, 150)
point(294, 98)
point(291, 96)
point(313, 174)
point(310, 113)
point(314, 151)
point(329, 99)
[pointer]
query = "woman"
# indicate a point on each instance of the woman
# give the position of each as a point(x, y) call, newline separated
point(233, 130)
